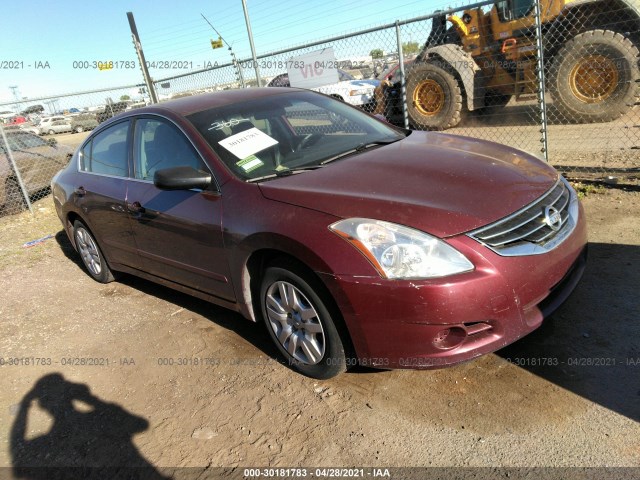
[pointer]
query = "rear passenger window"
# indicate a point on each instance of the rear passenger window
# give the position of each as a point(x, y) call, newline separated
point(107, 153)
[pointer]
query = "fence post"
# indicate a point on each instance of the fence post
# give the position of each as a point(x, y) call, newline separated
point(542, 101)
point(143, 64)
point(253, 48)
point(402, 76)
point(23, 189)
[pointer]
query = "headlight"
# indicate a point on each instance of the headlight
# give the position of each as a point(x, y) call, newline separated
point(354, 93)
point(401, 252)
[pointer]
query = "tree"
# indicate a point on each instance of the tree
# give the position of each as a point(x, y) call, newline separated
point(33, 109)
point(376, 53)
point(410, 48)
point(124, 98)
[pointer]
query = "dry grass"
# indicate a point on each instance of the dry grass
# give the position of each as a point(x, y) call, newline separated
point(18, 229)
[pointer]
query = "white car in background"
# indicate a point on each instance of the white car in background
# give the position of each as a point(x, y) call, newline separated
point(358, 93)
point(51, 125)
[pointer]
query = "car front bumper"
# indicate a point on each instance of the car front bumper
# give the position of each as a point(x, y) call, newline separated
point(441, 322)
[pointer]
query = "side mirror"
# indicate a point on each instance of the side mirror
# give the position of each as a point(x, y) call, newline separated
point(181, 178)
point(52, 142)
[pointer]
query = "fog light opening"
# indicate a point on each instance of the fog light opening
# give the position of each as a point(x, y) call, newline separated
point(449, 338)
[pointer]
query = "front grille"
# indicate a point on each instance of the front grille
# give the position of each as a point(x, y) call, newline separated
point(537, 225)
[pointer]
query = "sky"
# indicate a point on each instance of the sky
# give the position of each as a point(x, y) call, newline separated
point(51, 48)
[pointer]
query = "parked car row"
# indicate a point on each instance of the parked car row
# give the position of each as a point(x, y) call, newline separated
point(37, 160)
point(60, 124)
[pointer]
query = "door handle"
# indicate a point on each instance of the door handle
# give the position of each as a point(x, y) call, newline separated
point(80, 192)
point(135, 207)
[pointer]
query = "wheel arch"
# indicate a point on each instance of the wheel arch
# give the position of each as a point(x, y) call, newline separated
point(592, 14)
point(256, 252)
point(71, 218)
point(464, 68)
point(303, 259)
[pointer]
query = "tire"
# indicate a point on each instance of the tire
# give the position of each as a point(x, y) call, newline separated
point(78, 130)
point(434, 98)
point(92, 257)
point(302, 328)
point(594, 77)
point(51, 132)
point(14, 201)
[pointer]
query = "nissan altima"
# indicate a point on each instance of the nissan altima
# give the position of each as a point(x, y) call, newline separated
point(355, 242)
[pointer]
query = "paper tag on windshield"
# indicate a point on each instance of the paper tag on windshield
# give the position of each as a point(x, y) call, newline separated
point(246, 143)
point(250, 163)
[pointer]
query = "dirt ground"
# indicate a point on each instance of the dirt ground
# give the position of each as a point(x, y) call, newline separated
point(175, 381)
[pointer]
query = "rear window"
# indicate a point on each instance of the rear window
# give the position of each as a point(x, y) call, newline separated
point(107, 153)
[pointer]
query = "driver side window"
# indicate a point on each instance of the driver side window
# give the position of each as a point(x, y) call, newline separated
point(159, 145)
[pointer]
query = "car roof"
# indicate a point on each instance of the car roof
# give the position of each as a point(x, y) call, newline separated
point(197, 103)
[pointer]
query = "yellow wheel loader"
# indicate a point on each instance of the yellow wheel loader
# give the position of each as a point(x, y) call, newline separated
point(481, 60)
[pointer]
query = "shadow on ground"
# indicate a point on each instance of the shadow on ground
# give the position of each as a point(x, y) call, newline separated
point(591, 345)
point(256, 334)
point(89, 438)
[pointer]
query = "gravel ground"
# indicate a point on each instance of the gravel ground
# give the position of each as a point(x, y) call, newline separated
point(238, 406)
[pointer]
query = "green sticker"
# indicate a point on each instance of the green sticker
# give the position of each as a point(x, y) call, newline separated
point(250, 163)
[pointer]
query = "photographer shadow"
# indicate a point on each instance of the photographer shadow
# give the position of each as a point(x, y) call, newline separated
point(89, 438)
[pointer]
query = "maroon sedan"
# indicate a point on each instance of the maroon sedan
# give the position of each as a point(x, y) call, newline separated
point(354, 241)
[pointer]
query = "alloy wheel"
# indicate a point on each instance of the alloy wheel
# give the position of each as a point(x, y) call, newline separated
point(295, 322)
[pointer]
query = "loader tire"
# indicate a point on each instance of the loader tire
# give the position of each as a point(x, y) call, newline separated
point(594, 77)
point(434, 98)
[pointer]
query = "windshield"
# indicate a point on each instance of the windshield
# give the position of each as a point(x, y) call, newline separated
point(279, 134)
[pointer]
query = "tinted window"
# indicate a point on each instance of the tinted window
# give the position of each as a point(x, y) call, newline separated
point(521, 8)
point(158, 145)
point(513, 9)
point(107, 152)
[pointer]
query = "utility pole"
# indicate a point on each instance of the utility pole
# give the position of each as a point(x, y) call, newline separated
point(253, 48)
point(16, 96)
point(234, 60)
point(143, 63)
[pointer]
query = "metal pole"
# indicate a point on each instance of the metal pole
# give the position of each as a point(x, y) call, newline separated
point(402, 79)
point(542, 101)
point(253, 48)
point(25, 193)
point(143, 63)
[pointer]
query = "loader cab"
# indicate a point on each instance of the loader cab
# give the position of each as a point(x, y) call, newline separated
point(509, 10)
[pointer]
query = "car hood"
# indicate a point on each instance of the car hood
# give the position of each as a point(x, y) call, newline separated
point(438, 183)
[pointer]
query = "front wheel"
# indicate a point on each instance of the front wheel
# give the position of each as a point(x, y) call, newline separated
point(434, 98)
point(91, 254)
point(300, 323)
point(51, 132)
point(78, 130)
point(594, 77)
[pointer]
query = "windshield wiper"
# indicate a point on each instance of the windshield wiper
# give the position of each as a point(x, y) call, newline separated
point(360, 148)
point(284, 173)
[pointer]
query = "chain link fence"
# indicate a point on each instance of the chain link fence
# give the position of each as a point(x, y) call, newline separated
point(39, 139)
point(556, 78)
